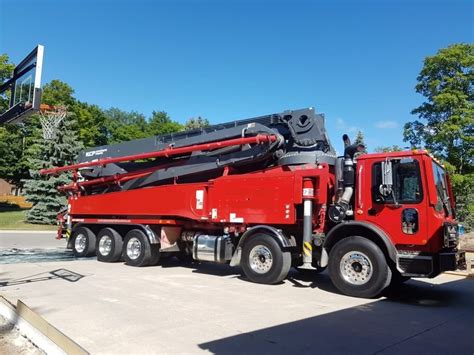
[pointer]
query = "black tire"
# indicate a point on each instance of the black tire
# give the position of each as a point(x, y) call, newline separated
point(147, 254)
point(109, 245)
point(280, 260)
point(360, 255)
point(83, 242)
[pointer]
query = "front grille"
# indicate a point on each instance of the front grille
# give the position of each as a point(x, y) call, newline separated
point(451, 235)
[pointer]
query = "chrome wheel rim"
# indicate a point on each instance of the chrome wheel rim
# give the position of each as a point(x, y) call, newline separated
point(261, 259)
point(356, 268)
point(105, 245)
point(134, 248)
point(80, 243)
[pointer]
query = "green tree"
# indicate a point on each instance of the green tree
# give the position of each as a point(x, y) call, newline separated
point(388, 149)
point(195, 123)
point(446, 119)
point(91, 125)
point(359, 139)
point(161, 123)
point(42, 190)
point(124, 126)
point(6, 70)
point(58, 93)
point(13, 167)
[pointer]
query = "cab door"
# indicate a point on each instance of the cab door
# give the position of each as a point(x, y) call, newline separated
point(399, 209)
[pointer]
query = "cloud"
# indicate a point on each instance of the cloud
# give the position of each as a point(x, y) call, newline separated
point(387, 124)
point(342, 125)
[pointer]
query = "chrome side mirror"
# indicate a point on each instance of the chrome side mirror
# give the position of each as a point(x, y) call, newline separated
point(385, 188)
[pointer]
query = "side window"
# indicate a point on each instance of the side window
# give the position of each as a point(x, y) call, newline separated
point(406, 182)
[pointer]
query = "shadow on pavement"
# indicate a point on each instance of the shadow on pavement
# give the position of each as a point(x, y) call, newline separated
point(416, 318)
point(63, 274)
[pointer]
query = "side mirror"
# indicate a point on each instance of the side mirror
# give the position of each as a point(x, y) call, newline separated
point(385, 188)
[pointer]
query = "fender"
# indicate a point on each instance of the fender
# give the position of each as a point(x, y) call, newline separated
point(331, 237)
point(277, 234)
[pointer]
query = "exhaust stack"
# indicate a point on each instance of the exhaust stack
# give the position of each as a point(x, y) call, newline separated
point(342, 207)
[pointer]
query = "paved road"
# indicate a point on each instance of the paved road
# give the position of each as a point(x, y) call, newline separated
point(113, 308)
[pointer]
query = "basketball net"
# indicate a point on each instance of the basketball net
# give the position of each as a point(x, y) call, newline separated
point(50, 118)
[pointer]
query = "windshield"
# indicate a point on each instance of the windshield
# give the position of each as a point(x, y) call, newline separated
point(442, 194)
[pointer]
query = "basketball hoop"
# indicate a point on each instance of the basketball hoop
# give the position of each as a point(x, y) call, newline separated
point(50, 118)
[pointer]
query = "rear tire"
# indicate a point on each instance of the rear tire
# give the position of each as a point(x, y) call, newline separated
point(83, 242)
point(109, 245)
point(263, 261)
point(358, 267)
point(137, 250)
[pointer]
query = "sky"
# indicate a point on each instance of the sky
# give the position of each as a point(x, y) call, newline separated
point(354, 61)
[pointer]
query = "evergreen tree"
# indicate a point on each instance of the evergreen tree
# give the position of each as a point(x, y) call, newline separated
point(360, 141)
point(42, 190)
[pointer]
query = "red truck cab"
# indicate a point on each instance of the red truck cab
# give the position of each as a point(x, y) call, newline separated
point(417, 214)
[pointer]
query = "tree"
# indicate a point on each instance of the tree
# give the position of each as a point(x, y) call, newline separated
point(90, 124)
point(12, 169)
point(124, 126)
point(446, 119)
point(6, 69)
point(195, 123)
point(161, 123)
point(392, 148)
point(360, 140)
point(58, 93)
point(42, 191)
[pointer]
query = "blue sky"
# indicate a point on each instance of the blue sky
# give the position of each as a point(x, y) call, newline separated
point(356, 61)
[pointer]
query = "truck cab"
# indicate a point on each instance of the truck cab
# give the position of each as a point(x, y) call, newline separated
point(408, 195)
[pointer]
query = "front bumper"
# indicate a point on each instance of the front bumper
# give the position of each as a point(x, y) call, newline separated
point(417, 265)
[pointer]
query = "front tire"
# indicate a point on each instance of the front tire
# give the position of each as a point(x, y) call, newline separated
point(83, 242)
point(263, 261)
point(358, 267)
point(109, 245)
point(137, 250)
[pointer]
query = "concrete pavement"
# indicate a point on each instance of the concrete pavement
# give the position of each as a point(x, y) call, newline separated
point(114, 308)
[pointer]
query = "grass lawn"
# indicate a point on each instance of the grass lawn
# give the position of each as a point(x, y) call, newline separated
point(10, 220)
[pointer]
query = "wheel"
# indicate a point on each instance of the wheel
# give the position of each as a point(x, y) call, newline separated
point(109, 245)
point(263, 261)
point(83, 242)
point(358, 267)
point(137, 250)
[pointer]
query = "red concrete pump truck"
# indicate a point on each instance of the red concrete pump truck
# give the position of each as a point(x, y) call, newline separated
point(266, 193)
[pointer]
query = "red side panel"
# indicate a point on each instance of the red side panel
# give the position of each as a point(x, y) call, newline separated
point(169, 200)
point(268, 197)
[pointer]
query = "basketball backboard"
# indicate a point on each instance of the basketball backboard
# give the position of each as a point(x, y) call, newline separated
point(23, 89)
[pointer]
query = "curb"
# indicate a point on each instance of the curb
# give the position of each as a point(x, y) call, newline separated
point(37, 329)
point(468, 275)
